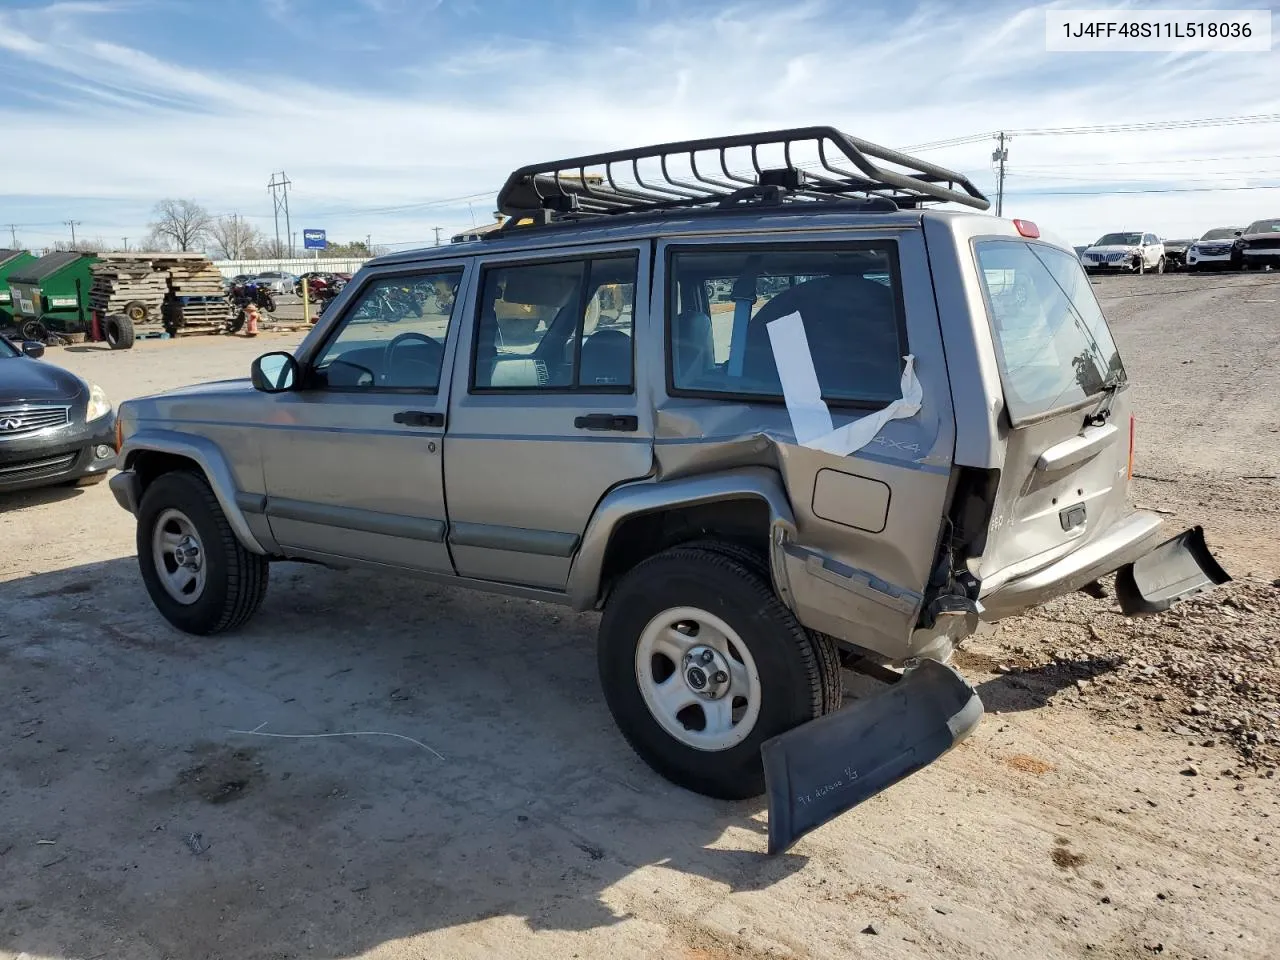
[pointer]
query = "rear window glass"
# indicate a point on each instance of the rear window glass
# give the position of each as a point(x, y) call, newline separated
point(848, 298)
point(1053, 344)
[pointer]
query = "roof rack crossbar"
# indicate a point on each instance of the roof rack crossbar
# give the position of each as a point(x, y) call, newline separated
point(693, 165)
point(856, 168)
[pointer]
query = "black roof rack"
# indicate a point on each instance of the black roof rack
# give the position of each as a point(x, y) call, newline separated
point(806, 164)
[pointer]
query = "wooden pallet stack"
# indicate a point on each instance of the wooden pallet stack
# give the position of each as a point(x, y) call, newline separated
point(121, 280)
point(197, 281)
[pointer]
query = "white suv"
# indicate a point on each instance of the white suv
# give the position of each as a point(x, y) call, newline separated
point(1218, 249)
point(1131, 252)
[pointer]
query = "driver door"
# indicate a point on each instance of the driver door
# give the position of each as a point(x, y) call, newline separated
point(352, 460)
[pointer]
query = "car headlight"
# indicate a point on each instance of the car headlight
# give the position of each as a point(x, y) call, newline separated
point(99, 405)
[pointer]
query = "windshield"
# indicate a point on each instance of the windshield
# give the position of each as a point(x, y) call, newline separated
point(1053, 344)
point(1120, 240)
point(1264, 226)
point(7, 351)
point(1221, 233)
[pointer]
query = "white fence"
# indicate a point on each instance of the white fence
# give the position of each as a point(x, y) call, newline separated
point(296, 265)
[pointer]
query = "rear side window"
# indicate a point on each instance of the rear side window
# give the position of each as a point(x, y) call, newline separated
point(849, 298)
point(565, 325)
point(1053, 344)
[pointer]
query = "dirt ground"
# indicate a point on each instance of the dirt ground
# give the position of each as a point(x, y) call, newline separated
point(1118, 801)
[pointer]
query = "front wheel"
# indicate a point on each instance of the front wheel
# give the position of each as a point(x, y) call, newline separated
point(1160, 265)
point(199, 576)
point(701, 663)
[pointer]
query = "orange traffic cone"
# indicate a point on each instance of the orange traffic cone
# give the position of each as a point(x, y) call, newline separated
point(251, 320)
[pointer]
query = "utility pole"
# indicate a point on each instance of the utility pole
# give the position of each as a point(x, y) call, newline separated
point(280, 201)
point(126, 244)
point(1001, 155)
point(13, 232)
point(72, 224)
point(437, 230)
point(368, 244)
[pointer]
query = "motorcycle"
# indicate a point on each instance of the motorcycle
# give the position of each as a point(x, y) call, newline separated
point(243, 294)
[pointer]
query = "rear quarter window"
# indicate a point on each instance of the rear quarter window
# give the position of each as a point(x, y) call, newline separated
point(848, 297)
point(1052, 342)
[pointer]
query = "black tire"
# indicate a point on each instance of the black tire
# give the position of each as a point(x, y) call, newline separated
point(1161, 265)
point(827, 648)
point(269, 303)
point(235, 323)
point(796, 675)
point(236, 579)
point(118, 331)
point(136, 311)
point(34, 330)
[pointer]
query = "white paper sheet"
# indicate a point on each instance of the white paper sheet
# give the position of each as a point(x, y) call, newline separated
point(810, 418)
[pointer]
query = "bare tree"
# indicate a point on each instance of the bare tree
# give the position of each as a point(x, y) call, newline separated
point(273, 250)
point(179, 224)
point(234, 239)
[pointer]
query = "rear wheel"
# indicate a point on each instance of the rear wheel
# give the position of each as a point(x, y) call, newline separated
point(199, 576)
point(118, 330)
point(701, 663)
point(1160, 265)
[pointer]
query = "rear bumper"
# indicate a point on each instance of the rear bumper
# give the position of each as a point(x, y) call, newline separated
point(1125, 542)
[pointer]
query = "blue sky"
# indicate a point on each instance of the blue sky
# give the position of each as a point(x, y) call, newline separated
point(392, 117)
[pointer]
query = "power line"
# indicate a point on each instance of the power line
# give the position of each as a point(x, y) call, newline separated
point(1108, 193)
point(1138, 127)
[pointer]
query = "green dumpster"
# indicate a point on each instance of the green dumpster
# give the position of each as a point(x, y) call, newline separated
point(10, 260)
point(52, 294)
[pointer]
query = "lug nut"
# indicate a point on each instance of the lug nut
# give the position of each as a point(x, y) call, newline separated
point(707, 656)
point(719, 676)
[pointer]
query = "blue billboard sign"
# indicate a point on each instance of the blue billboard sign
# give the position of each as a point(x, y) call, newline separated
point(313, 240)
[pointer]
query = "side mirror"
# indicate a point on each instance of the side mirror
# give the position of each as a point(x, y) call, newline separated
point(274, 373)
point(33, 349)
point(1239, 233)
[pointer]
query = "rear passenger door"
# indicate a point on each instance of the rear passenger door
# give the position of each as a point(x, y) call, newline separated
point(546, 415)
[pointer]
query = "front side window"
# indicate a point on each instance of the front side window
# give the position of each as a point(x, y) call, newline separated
point(848, 298)
point(560, 326)
point(1052, 341)
point(1264, 226)
point(393, 335)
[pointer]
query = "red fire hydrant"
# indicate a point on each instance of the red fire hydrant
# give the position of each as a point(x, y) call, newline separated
point(251, 320)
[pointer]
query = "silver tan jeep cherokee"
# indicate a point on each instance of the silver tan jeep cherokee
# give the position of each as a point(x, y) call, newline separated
point(747, 396)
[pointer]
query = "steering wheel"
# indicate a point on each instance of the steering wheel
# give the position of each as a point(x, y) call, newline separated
point(396, 341)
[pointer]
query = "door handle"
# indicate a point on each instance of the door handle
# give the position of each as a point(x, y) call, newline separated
point(607, 421)
point(420, 418)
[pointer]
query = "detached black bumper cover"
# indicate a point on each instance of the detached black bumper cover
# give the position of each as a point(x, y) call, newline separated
point(1179, 568)
point(820, 769)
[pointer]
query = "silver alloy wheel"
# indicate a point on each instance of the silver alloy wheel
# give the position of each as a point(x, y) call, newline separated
point(698, 679)
point(179, 556)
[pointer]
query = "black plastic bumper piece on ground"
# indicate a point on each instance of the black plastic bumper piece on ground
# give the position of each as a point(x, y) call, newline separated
point(1180, 567)
point(820, 769)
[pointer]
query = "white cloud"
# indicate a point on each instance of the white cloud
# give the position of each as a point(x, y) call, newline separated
point(132, 125)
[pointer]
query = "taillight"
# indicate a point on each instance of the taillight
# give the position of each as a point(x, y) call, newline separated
point(1027, 229)
point(1132, 427)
